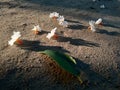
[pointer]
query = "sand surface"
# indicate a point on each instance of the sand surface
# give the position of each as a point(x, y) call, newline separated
point(97, 54)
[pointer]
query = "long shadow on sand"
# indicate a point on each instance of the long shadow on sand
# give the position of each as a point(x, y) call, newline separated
point(92, 78)
point(110, 25)
point(77, 42)
point(72, 21)
point(35, 46)
point(113, 33)
point(77, 27)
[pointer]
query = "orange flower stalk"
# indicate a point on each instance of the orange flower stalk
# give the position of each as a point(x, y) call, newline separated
point(36, 29)
point(55, 37)
point(19, 41)
point(52, 34)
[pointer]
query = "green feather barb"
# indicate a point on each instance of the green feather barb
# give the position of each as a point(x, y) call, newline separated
point(64, 61)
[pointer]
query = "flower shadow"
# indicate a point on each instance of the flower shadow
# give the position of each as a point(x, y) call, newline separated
point(89, 76)
point(77, 26)
point(113, 33)
point(72, 21)
point(43, 32)
point(77, 41)
point(110, 25)
point(35, 46)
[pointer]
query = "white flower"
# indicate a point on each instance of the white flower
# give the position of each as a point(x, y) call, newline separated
point(92, 26)
point(99, 21)
point(14, 37)
point(63, 23)
point(61, 19)
point(54, 15)
point(102, 6)
point(51, 34)
point(37, 29)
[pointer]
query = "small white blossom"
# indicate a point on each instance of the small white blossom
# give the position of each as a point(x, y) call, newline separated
point(37, 29)
point(92, 26)
point(61, 19)
point(51, 34)
point(99, 21)
point(63, 23)
point(54, 15)
point(14, 37)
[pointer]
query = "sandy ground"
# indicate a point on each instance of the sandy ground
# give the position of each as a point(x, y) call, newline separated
point(97, 54)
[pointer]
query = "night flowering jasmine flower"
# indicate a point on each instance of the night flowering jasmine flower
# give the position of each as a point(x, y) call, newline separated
point(99, 22)
point(36, 29)
point(52, 34)
point(92, 26)
point(61, 19)
point(54, 15)
point(63, 23)
point(15, 39)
